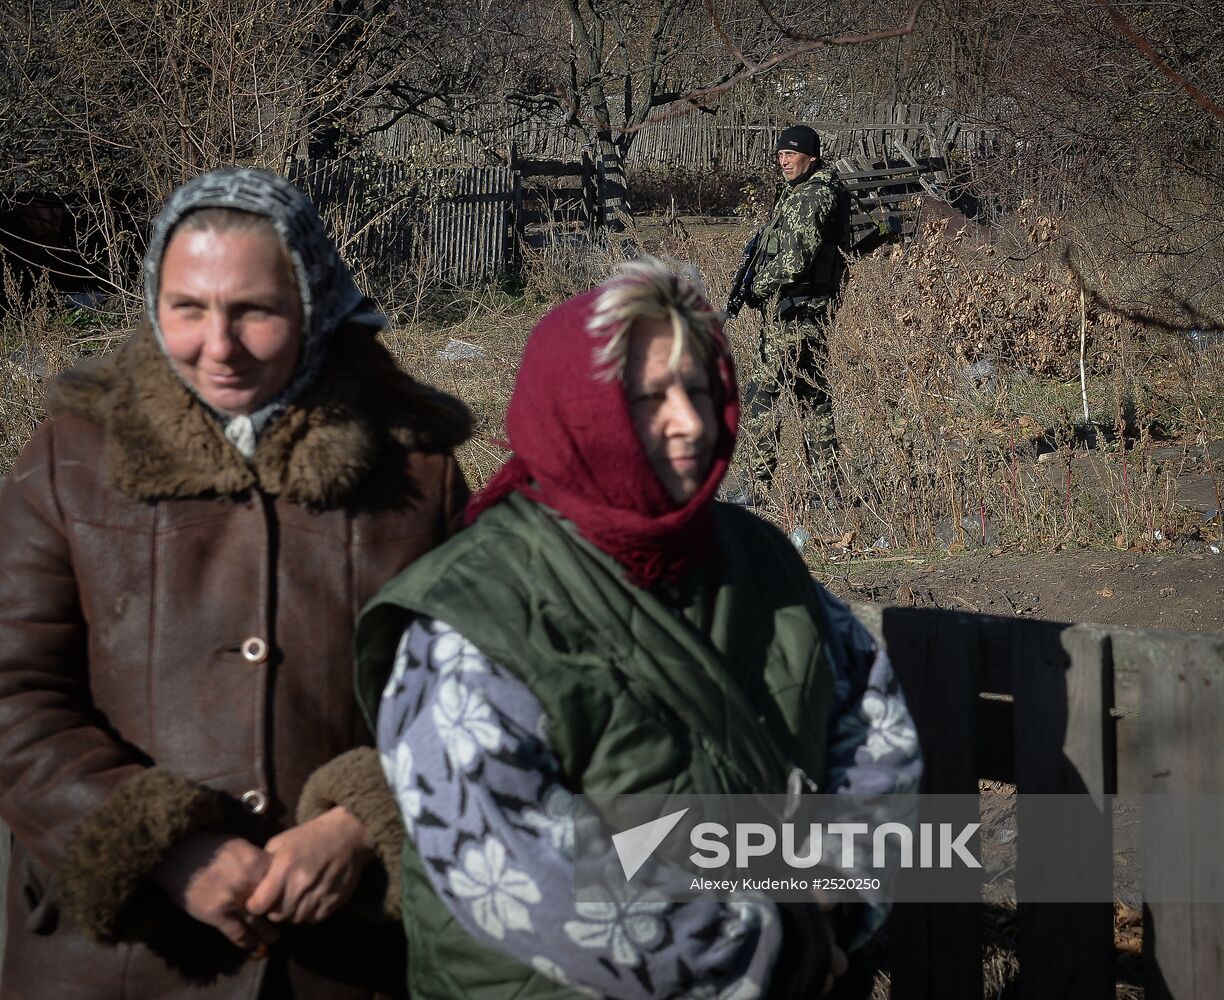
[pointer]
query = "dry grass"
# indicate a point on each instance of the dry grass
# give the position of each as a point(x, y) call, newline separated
point(495, 325)
point(39, 337)
point(933, 451)
point(954, 374)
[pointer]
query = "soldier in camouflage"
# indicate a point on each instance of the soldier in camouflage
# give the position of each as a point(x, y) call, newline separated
point(800, 261)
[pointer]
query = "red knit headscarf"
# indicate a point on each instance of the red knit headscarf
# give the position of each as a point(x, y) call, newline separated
point(576, 451)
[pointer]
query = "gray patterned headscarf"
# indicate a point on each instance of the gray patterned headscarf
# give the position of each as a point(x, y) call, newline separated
point(330, 298)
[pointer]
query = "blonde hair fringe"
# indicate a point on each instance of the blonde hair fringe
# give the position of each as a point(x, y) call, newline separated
point(644, 289)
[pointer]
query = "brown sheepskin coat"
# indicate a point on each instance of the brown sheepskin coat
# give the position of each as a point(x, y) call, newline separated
point(175, 655)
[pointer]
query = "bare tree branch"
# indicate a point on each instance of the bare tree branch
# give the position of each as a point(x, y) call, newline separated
point(691, 99)
point(1195, 319)
point(1151, 55)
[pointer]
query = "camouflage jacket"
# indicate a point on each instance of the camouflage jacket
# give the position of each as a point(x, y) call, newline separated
point(801, 245)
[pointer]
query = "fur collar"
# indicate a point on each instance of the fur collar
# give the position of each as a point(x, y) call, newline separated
point(162, 442)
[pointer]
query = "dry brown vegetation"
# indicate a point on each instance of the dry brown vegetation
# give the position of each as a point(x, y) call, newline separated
point(953, 367)
point(936, 450)
point(953, 361)
point(937, 437)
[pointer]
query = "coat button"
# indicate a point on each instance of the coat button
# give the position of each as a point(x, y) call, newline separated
point(255, 801)
point(254, 649)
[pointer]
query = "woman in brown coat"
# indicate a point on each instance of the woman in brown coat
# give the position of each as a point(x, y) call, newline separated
point(185, 544)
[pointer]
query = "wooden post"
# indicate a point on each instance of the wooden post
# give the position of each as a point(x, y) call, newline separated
point(936, 949)
point(1063, 687)
point(518, 226)
point(1182, 715)
point(590, 191)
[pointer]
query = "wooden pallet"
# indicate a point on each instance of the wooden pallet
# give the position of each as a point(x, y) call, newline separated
point(886, 195)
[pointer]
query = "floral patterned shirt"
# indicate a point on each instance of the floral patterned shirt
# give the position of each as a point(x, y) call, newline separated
point(464, 745)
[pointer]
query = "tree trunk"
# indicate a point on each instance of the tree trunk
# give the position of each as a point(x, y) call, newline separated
point(615, 211)
point(613, 194)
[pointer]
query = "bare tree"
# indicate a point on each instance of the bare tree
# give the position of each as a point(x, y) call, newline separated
point(600, 70)
point(109, 105)
point(1108, 125)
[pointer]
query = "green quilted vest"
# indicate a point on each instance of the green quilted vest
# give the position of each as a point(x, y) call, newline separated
point(730, 694)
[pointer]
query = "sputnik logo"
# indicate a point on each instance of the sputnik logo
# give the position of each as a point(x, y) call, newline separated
point(635, 845)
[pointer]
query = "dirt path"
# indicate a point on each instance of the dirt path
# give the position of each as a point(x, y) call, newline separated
point(1183, 590)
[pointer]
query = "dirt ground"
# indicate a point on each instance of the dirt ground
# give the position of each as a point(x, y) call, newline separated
point(1175, 590)
point(1180, 588)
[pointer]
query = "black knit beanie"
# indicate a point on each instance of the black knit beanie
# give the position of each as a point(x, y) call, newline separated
point(800, 138)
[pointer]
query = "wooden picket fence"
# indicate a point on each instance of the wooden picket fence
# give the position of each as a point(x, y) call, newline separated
point(463, 225)
point(1051, 708)
point(455, 224)
point(736, 137)
point(717, 144)
point(1057, 709)
point(468, 225)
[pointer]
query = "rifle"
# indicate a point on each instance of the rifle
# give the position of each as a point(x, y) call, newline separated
point(741, 284)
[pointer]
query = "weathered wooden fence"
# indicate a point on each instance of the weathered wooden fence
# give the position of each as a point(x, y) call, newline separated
point(745, 146)
point(884, 200)
point(1054, 709)
point(467, 225)
point(554, 197)
point(735, 138)
point(457, 224)
point(1058, 709)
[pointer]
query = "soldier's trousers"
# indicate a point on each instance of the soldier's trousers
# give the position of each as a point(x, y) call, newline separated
point(791, 355)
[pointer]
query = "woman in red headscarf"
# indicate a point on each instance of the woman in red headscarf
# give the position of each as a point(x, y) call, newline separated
point(603, 626)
